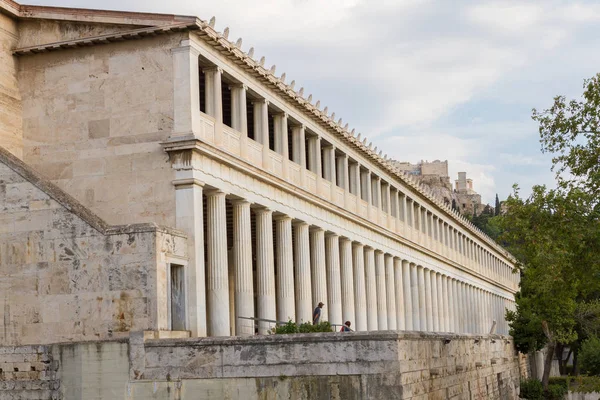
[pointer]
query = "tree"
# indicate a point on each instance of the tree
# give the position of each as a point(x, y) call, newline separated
point(570, 131)
point(497, 206)
point(555, 236)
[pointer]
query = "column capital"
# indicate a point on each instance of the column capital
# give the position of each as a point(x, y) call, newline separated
point(263, 210)
point(316, 229)
point(260, 101)
point(213, 68)
point(330, 234)
point(238, 85)
point(281, 217)
point(240, 202)
point(187, 183)
point(357, 244)
point(214, 192)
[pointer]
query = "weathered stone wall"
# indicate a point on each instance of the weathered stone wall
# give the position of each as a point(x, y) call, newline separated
point(28, 372)
point(62, 279)
point(94, 119)
point(11, 132)
point(381, 365)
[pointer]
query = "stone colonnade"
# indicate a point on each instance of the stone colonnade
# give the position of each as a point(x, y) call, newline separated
point(292, 266)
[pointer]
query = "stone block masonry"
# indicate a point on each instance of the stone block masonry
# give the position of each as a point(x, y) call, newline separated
point(361, 366)
point(28, 372)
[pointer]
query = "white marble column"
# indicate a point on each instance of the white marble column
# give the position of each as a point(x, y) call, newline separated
point(422, 298)
point(416, 296)
point(371, 289)
point(304, 304)
point(261, 122)
point(217, 268)
point(299, 145)
point(360, 294)
point(334, 287)
point(408, 296)
point(280, 133)
point(286, 307)
point(428, 300)
point(434, 303)
point(318, 271)
point(390, 293)
point(190, 219)
point(186, 91)
point(239, 112)
point(399, 291)
point(460, 307)
point(447, 296)
point(242, 260)
point(440, 303)
point(314, 155)
point(347, 277)
point(265, 269)
point(329, 164)
point(213, 96)
point(382, 324)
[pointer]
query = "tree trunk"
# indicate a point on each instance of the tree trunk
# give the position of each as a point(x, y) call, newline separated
point(562, 364)
point(575, 364)
point(548, 364)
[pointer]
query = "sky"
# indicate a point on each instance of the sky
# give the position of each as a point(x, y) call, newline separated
point(423, 80)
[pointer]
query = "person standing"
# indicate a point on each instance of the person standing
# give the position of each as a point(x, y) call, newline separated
point(317, 313)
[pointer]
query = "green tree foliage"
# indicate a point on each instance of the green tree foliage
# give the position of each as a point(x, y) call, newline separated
point(497, 206)
point(590, 356)
point(570, 131)
point(552, 234)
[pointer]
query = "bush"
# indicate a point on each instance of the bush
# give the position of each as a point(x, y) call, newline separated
point(563, 381)
point(556, 392)
point(589, 356)
point(585, 384)
point(531, 389)
point(306, 327)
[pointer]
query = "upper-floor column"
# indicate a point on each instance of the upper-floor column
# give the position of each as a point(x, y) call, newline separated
point(354, 179)
point(334, 288)
point(186, 90)
point(377, 196)
point(342, 170)
point(286, 307)
point(217, 276)
point(390, 282)
point(239, 113)
point(261, 122)
point(304, 305)
point(298, 145)
point(360, 297)
point(329, 164)
point(242, 260)
point(403, 209)
point(314, 154)
point(387, 199)
point(280, 132)
point(347, 278)
point(213, 95)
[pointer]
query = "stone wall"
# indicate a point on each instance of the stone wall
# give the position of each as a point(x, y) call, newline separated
point(329, 366)
point(11, 131)
point(95, 117)
point(28, 372)
point(67, 276)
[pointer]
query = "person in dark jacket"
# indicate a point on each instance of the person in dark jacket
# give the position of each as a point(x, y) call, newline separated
point(317, 313)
